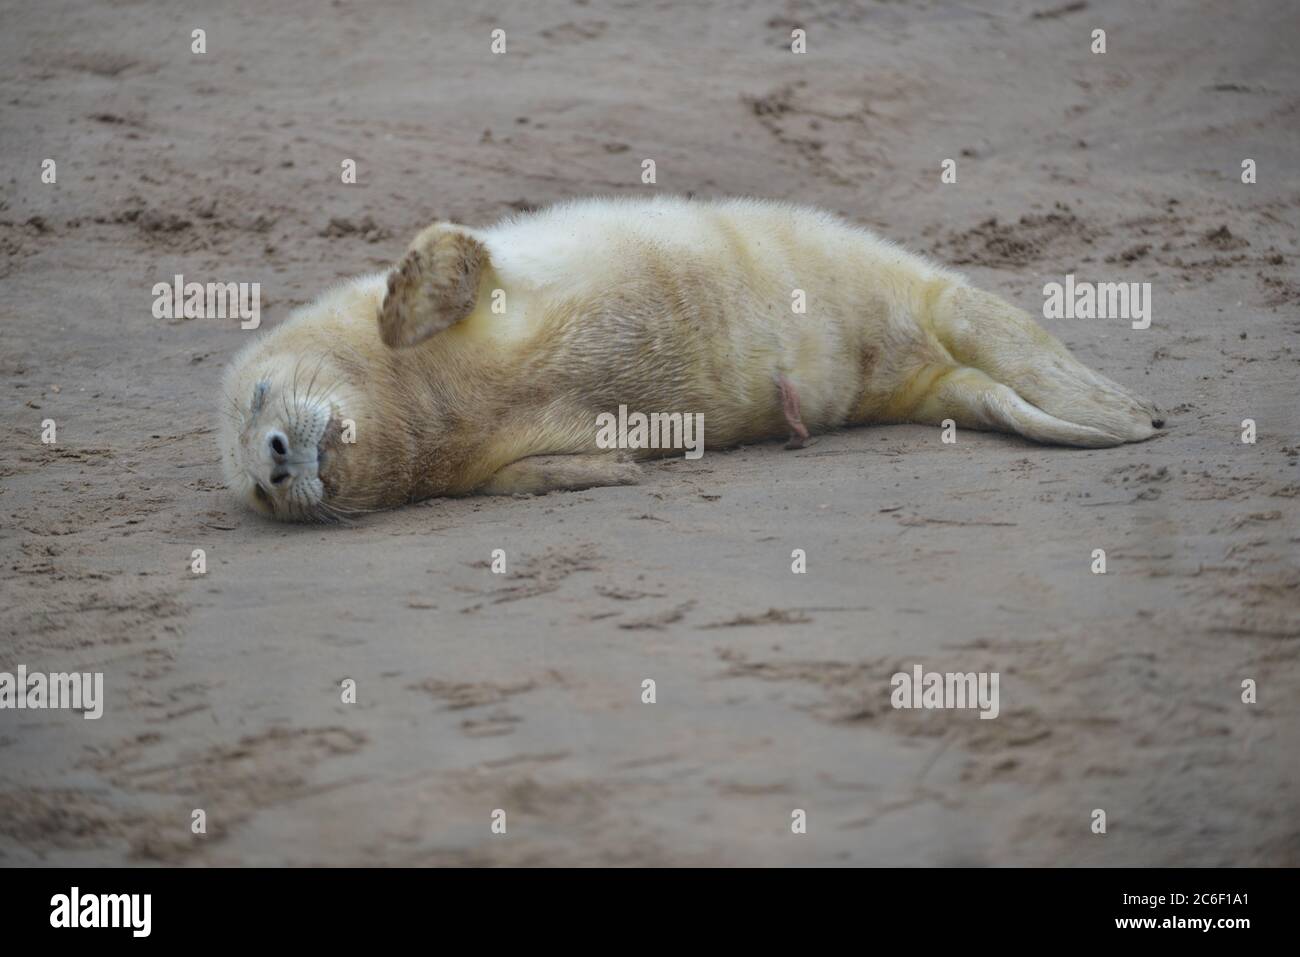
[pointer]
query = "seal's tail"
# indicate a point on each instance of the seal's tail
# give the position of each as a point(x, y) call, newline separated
point(1012, 375)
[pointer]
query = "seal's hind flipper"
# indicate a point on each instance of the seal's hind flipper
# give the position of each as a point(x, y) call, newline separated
point(972, 400)
point(985, 332)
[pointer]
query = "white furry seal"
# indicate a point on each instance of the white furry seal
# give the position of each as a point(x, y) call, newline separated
point(480, 363)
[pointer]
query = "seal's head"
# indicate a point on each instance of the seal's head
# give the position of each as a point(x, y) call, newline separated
point(280, 440)
point(290, 445)
point(380, 392)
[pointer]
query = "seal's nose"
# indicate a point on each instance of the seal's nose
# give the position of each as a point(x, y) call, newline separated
point(278, 445)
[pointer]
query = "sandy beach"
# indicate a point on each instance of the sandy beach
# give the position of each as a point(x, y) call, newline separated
point(523, 692)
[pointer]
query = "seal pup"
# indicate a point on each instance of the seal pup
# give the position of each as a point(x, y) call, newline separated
point(481, 360)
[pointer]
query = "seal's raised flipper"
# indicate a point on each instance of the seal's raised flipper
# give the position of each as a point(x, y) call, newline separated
point(434, 287)
point(539, 474)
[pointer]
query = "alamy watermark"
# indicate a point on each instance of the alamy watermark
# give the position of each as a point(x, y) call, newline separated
point(75, 909)
point(79, 690)
point(214, 300)
point(658, 430)
point(1098, 300)
point(933, 689)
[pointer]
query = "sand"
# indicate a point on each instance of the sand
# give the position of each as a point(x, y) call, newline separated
point(523, 692)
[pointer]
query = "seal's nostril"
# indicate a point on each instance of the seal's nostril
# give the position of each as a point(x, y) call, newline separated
point(279, 476)
point(278, 442)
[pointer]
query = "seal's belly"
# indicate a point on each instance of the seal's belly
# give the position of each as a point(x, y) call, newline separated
point(708, 343)
point(708, 318)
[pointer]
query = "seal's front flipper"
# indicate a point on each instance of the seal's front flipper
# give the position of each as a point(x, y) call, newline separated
point(539, 474)
point(434, 287)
